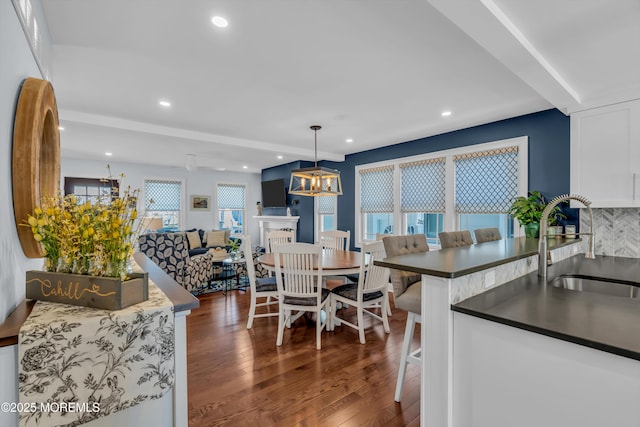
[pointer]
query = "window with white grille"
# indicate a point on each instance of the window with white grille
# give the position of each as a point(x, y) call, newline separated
point(231, 207)
point(486, 184)
point(462, 188)
point(326, 213)
point(376, 201)
point(163, 198)
point(422, 202)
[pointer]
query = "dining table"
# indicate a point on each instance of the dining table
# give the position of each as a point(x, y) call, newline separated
point(334, 262)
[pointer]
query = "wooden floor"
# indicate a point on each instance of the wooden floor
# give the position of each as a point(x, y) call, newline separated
point(238, 377)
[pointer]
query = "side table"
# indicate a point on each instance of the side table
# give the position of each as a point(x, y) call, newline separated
point(230, 269)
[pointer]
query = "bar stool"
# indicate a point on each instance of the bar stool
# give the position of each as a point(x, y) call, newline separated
point(487, 234)
point(455, 239)
point(407, 295)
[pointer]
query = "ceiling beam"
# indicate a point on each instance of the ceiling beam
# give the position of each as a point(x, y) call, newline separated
point(131, 125)
point(492, 29)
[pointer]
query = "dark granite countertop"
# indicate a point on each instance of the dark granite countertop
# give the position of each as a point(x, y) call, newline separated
point(606, 323)
point(456, 262)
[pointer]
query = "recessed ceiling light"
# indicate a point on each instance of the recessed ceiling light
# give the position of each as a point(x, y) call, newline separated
point(221, 169)
point(60, 127)
point(108, 154)
point(164, 103)
point(349, 140)
point(219, 22)
point(245, 167)
point(280, 157)
point(446, 113)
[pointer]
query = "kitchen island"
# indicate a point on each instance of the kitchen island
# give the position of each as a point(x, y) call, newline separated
point(458, 368)
point(543, 378)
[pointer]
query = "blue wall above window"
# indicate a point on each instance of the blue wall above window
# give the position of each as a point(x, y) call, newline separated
point(549, 162)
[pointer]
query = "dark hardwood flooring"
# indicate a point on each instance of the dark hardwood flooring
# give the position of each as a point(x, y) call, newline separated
point(239, 377)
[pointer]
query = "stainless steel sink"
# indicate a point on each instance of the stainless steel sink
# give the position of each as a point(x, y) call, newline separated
point(597, 285)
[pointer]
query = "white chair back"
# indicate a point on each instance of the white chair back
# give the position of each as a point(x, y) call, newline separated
point(299, 280)
point(373, 277)
point(248, 257)
point(335, 240)
point(296, 274)
point(278, 237)
point(260, 287)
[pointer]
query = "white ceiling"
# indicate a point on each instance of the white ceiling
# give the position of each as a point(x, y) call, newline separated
point(378, 71)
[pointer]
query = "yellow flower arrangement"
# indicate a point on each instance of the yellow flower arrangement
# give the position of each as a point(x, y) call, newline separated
point(86, 238)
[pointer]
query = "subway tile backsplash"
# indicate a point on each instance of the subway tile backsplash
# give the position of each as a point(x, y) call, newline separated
point(617, 231)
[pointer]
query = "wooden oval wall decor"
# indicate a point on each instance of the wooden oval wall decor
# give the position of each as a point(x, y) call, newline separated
point(36, 156)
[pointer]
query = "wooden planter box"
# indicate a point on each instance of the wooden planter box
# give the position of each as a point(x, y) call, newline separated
point(108, 293)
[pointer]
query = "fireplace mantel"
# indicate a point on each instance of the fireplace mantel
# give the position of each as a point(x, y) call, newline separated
point(275, 222)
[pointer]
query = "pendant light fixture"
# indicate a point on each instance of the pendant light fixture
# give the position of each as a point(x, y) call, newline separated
point(315, 181)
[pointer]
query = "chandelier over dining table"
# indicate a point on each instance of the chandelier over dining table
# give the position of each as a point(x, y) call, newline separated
point(317, 180)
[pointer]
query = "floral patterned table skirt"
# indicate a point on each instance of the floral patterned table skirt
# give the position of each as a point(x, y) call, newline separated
point(78, 363)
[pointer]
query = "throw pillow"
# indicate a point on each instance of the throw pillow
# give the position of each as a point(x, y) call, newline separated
point(218, 254)
point(216, 238)
point(194, 239)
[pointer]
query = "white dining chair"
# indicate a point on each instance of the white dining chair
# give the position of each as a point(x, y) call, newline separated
point(300, 286)
point(261, 287)
point(370, 291)
point(335, 240)
point(278, 237)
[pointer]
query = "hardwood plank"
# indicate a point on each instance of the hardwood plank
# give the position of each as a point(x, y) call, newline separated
point(240, 377)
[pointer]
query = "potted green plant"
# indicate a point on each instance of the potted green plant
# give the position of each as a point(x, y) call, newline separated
point(234, 247)
point(528, 212)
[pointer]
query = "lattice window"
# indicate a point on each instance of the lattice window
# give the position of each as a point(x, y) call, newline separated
point(423, 186)
point(164, 198)
point(327, 205)
point(486, 181)
point(163, 195)
point(376, 190)
point(230, 196)
point(326, 213)
point(231, 205)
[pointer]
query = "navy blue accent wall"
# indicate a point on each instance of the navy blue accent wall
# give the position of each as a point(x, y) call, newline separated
point(300, 205)
point(549, 161)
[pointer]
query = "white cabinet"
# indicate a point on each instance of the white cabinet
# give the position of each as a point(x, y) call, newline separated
point(605, 155)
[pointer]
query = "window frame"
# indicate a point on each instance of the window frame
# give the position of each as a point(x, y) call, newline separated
point(451, 218)
point(244, 209)
point(183, 198)
point(318, 217)
point(112, 184)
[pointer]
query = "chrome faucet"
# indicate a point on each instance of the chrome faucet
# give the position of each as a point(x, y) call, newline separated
point(543, 253)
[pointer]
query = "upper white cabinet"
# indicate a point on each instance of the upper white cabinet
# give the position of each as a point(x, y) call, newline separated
point(605, 155)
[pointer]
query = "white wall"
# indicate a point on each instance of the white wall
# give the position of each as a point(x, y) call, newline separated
point(16, 64)
point(200, 182)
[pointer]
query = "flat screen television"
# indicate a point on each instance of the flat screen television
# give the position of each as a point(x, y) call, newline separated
point(274, 194)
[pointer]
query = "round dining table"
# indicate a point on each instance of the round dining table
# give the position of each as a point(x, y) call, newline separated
point(334, 263)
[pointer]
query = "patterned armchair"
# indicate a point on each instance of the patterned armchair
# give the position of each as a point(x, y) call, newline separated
point(171, 253)
point(259, 268)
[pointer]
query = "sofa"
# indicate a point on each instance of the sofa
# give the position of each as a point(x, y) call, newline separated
point(201, 241)
point(194, 268)
point(170, 252)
